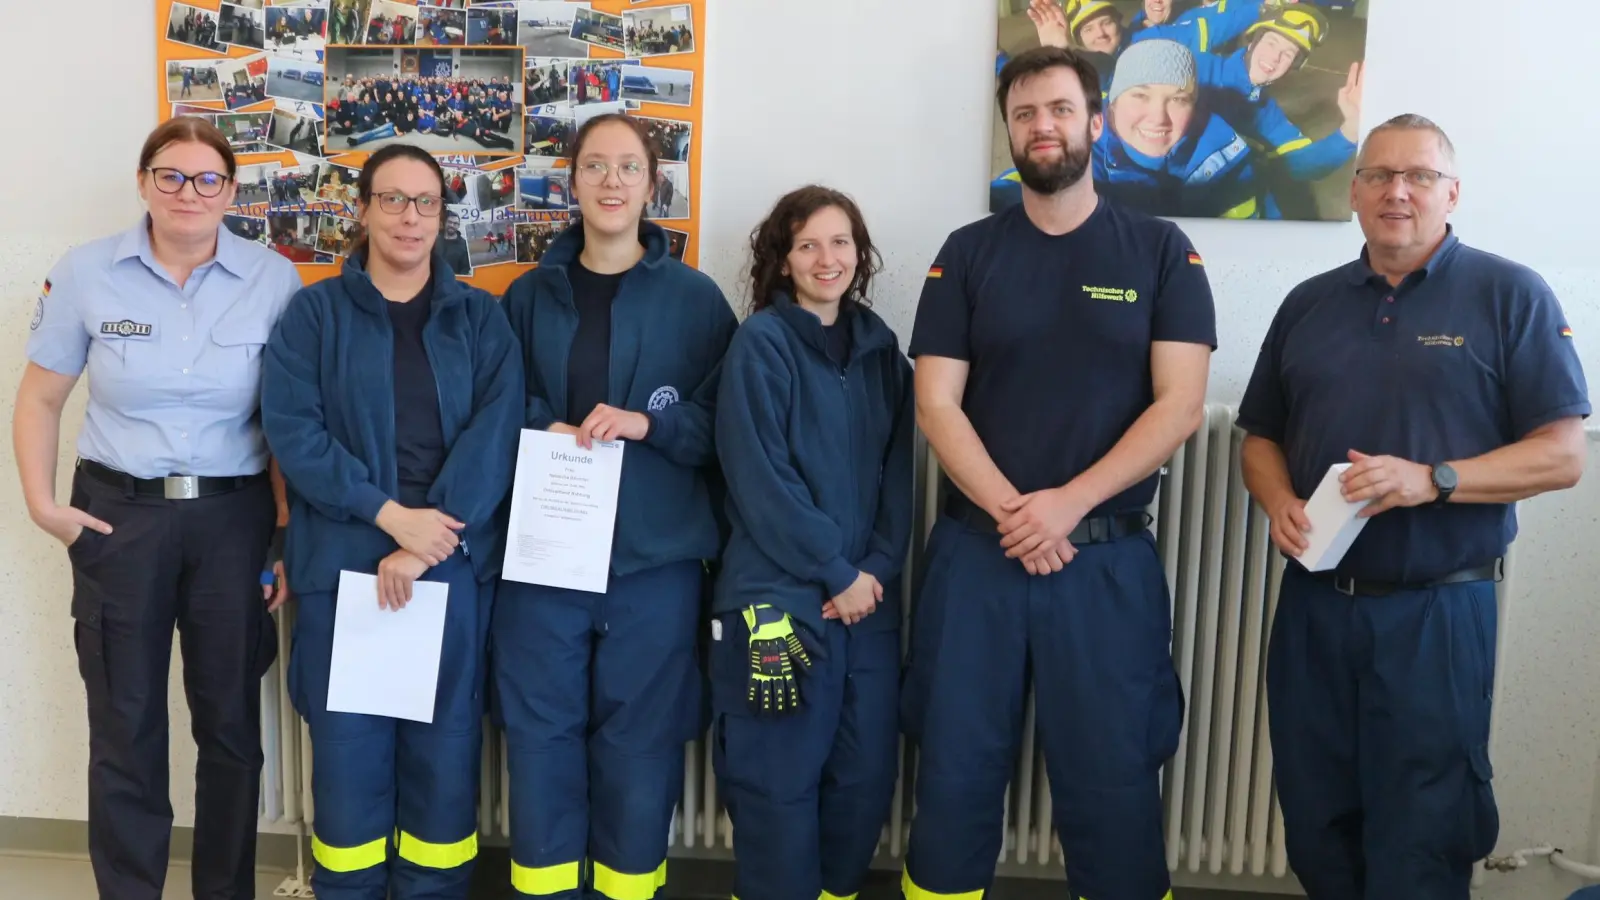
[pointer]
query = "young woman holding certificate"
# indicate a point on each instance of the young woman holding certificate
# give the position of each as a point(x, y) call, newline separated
point(392, 401)
point(814, 429)
point(598, 693)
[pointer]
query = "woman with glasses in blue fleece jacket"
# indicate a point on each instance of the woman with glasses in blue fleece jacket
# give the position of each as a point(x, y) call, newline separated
point(598, 693)
point(392, 400)
point(815, 422)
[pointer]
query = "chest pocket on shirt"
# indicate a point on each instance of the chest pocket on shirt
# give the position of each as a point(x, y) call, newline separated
point(237, 347)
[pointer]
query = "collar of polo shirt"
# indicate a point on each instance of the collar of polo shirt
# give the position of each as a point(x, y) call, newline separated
point(1361, 272)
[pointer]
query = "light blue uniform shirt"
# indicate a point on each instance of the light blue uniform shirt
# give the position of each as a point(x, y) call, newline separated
point(174, 373)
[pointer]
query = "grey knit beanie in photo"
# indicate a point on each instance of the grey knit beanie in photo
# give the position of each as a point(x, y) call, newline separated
point(1152, 62)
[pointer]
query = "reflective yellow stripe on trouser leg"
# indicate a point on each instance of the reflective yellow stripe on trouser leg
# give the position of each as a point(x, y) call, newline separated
point(437, 856)
point(828, 896)
point(349, 859)
point(541, 881)
point(617, 886)
point(912, 892)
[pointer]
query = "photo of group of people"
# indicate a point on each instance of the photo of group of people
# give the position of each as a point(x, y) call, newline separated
point(549, 137)
point(498, 84)
point(297, 28)
point(670, 138)
point(240, 26)
point(1244, 109)
point(448, 100)
point(294, 236)
point(195, 27)
point(337, 235)
point(533, 239)
point(658, 32)
point(491, 242)
point(439, 26)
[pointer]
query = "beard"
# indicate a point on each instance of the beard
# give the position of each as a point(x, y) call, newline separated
point(1055, 176)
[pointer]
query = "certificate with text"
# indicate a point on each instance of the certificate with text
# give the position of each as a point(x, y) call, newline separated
point(563, 512)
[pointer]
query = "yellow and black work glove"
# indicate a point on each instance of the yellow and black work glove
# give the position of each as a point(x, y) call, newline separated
point(777, 656)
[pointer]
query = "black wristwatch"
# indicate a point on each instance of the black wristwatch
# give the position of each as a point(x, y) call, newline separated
point(1444, 481)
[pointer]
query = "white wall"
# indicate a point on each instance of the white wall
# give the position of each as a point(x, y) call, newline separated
point(890, 101)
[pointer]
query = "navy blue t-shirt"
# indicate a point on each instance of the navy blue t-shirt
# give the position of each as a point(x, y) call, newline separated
point(1466, 355)
point(1057, 330)
point(589, 362)
point(418, 431)
point(837, 337)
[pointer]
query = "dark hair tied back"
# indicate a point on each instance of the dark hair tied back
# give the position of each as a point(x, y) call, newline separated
point(369, 173)
point(772, 240)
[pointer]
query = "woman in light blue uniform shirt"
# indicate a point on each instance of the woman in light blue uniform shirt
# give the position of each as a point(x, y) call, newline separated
point(171, 513)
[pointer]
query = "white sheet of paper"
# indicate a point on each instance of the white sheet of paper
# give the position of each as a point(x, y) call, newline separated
point(1334, 523)
point(563, 512)
point(386, 662)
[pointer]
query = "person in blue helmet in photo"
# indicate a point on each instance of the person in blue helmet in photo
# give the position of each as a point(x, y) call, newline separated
point(1164, 149)
point(1096, 28)
point(1236, 87)
point(1221, 22)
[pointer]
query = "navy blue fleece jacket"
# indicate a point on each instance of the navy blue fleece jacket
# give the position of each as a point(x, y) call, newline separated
point(327, 407)
point(818, 461)
point(670, 327)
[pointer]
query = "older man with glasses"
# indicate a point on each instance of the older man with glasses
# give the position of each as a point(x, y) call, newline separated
point(1446, 378)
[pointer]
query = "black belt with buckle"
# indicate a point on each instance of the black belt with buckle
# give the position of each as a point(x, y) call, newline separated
point(1095, 530)
point(173, 487)
point(1356, 587)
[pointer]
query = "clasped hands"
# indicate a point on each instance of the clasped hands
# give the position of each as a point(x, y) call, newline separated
point(1034, 528)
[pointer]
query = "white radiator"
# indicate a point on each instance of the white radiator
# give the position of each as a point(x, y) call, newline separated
point(1222, 817)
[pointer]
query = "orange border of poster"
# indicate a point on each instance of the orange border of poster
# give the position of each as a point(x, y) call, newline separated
point(494, 278)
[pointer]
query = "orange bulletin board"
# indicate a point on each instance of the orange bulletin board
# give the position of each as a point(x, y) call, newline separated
point(506, 85)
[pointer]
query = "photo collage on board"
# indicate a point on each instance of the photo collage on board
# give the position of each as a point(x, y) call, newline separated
point(496, 91)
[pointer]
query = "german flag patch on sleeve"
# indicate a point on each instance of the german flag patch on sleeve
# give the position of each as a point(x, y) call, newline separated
point(936, 272)
point(1566, 331)
point(1195, 260)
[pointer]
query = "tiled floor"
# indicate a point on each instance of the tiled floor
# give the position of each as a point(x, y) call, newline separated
point(65, 879)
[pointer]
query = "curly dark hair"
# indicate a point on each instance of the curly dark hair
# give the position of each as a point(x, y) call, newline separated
point(772, 240)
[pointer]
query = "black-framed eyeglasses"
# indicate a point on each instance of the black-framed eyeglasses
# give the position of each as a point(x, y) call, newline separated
point(395, 203)
point(594, 172)
point(1422, 178)
point(171, 181)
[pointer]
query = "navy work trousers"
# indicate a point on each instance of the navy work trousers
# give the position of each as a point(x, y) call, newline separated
point(194, 564)
point(598, 694)
point(808, 792)
point(1380, 737)
point(1096, 638)
point(396, 800)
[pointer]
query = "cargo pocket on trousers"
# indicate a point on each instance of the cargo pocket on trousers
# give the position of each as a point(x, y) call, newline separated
point(1484, 814)
point(90, 644)
point(1166, 716)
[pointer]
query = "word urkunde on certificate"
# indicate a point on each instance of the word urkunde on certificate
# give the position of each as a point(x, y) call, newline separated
point(563, 512)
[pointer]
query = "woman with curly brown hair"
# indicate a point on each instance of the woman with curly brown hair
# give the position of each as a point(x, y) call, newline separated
point(814, 430)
